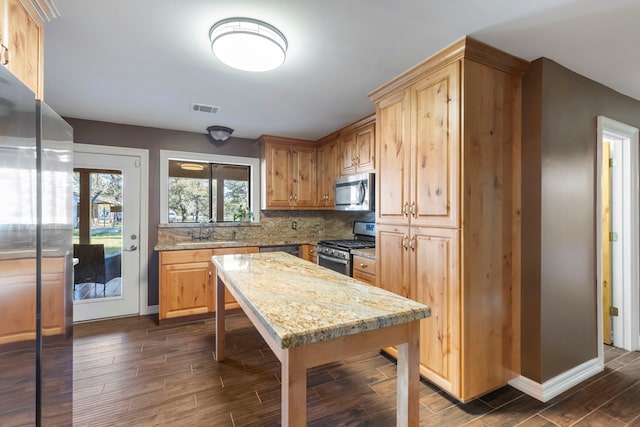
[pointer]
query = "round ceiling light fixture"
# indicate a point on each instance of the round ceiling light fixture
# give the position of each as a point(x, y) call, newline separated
point(248, 44)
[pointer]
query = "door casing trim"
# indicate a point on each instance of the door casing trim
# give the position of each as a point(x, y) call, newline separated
point(143, 247)
point(631, 294)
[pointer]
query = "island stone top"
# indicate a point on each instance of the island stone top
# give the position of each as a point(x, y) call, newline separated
point(299, 302)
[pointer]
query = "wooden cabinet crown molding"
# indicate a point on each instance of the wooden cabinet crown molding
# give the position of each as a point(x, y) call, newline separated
point(465, 47)
point(273, 139)
point(46, 9)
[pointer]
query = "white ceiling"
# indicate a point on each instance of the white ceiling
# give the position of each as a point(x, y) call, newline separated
point(144, 62)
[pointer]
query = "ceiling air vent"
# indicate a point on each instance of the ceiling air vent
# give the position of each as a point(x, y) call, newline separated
point(204, 108)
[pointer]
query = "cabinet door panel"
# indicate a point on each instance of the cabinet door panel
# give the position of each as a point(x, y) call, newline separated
point(304, 176)
point(392, 259)
point(25, 40)
point(393, 157)
point(279, 176)
point(326, 173)
point(186, 290)
point(348, 150)
point(435, 149)
point(365, 144)
point(436, 283)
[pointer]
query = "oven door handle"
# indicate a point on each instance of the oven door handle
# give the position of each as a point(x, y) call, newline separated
point(339, 261)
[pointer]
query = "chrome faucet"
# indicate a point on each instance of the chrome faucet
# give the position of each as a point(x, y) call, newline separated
point(201, 236)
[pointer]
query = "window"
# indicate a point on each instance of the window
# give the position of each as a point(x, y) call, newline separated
point(202, 187)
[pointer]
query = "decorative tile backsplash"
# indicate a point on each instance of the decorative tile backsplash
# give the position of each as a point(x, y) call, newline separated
point(274, 225)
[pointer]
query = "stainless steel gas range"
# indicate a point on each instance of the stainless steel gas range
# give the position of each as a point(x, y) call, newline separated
point(336, 254)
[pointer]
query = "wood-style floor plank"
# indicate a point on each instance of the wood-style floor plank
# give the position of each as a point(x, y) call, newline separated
point(132, 372)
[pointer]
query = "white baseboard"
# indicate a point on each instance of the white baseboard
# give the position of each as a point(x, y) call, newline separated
point(559, 384)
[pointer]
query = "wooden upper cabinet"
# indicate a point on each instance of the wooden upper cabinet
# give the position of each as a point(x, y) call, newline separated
point(393, 153)
point(435, 142)
point(22, 49)
point(357, 147)
point(348, 153)
point(365, 146)
point(288, 173)
point(418, 153)
point(327, 171)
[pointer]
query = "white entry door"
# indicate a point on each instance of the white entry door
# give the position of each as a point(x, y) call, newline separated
point(110, 217)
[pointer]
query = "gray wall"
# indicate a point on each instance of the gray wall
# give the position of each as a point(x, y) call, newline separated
point(560, 107)
point(153, 139)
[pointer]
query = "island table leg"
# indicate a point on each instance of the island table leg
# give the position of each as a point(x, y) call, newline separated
point(408, 405)
point(294, 388)
point(220, 288)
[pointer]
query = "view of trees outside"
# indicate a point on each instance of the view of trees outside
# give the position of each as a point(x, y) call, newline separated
point(189, 199)
point(236, 195)
point(189, 192)
point(106, 209)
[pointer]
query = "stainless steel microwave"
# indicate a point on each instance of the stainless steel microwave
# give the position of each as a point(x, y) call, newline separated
point(355, 192)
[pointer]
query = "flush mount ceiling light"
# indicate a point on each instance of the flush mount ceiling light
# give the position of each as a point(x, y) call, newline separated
point(219, 133)
point(248, 44)
point(192, 166)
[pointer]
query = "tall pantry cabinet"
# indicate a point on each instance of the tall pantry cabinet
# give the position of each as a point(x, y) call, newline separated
point(447, 214)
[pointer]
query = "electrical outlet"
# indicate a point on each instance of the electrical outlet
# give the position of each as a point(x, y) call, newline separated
point(294, 225)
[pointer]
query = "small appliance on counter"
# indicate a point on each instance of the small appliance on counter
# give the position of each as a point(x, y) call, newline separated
point(336, 254)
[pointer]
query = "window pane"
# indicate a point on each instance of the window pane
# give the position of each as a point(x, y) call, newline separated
point(188, 192)
point(199, 191)
point(236, 196)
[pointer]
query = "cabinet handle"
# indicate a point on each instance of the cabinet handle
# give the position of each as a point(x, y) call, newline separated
point(412, 243)
point(413, 209)
point(5, 55)
point(364, 265)
point(405, 209)
point(404, 242)
point(290, 197)
point(210, 274)
point(295, 198)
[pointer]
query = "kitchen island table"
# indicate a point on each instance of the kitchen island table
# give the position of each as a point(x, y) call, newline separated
point(310, 315)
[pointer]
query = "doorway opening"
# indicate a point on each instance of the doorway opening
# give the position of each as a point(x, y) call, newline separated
point(618, 241)
point(97, 233)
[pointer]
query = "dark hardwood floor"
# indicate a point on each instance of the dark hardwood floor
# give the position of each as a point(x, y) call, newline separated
point(132, 372)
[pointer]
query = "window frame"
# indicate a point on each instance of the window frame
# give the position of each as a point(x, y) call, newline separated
point(254, 177)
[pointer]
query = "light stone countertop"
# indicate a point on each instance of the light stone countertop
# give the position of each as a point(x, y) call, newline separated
point(299, 302)
point(369, 253)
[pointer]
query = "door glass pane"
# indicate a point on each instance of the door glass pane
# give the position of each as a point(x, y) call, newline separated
point(97, 235)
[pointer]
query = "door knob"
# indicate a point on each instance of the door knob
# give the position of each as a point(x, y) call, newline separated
point(131, 248)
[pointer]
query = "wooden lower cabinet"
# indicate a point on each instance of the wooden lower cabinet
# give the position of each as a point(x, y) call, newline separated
point(309, 252)
point(364, 269)
point(187, 282)
point(18, 298)
point(422, 264)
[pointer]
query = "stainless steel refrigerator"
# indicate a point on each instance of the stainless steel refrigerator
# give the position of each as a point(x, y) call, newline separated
point(36, 347)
